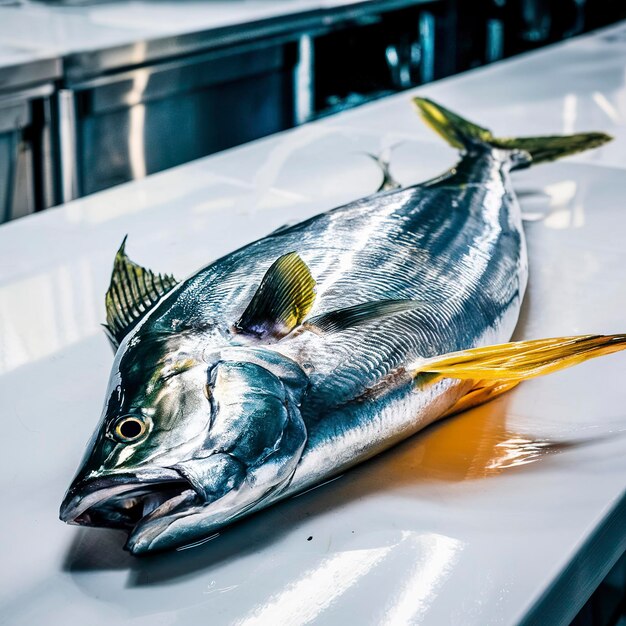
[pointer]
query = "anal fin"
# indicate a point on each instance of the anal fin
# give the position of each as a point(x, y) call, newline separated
point(520, 360)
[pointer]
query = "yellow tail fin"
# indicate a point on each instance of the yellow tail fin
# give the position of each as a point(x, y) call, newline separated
point(462, 134)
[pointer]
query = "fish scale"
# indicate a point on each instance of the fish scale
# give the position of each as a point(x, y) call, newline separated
point(430, 224)
point(417, 218)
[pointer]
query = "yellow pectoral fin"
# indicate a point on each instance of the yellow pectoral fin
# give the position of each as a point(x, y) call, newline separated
point(521, 360)
point(283, 299)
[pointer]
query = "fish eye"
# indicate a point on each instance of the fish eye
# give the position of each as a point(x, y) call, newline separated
point(129, 428)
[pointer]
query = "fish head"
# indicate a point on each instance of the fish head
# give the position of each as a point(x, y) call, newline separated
point(188, 443)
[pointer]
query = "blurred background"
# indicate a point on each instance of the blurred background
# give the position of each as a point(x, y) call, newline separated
point(93, 94)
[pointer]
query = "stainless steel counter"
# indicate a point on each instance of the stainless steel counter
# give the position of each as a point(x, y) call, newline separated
point(98, 38)
point(26, 87)
point(126, 125)
point(21, 68)
point(138, 83)
point(310, 19)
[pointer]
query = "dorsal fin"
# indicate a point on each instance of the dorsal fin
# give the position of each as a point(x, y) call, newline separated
point(384, 162)
point(133, 291)
point(283, 299)
point(342, 319)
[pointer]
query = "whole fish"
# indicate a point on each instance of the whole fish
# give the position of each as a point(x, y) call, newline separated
point(302, 354)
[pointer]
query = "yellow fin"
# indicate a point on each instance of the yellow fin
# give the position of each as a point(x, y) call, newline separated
point(283, 299)
point(133, 291)
point(520, 360)
point(462, 134)
point(454, 129)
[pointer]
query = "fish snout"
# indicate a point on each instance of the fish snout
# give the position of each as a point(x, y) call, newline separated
point(119, 500)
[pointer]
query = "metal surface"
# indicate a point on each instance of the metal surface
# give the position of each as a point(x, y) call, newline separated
point(155, 82)
point(66, 111)
point(21, 70)
point(80, 65)
point(9, 163)
point(494, 41)
point(45, 156)
point(427, 46)
point(86, 144)
point(304, 83)
point(14, 110)
point(14, 114)
point(25, 179)
point(123, 126)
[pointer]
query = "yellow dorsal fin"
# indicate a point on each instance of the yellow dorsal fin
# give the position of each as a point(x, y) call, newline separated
point(520, 360)
point(133, 291)
point(283, 299)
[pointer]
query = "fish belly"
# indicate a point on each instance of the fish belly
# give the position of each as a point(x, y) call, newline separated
point(362, 430)
point(366, 427)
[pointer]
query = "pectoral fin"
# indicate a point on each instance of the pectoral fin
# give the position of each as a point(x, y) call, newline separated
point(133, 291)
point(520, 360)
point(283, 299)
point(342, 319)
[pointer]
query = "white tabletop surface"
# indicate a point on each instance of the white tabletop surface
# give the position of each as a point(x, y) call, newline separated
point(72, 29)
point(470, 522)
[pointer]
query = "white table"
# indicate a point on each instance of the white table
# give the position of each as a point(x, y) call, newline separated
point(467, 523)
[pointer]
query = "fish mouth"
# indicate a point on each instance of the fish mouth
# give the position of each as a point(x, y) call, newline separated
point(126, 500)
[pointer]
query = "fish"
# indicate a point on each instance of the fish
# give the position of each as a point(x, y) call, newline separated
point(283, 364)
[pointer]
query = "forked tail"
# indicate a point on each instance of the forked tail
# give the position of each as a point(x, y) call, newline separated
point(463, 134)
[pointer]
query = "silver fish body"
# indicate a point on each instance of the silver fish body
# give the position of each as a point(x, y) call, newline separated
point(206, 422)
point(455, 246)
